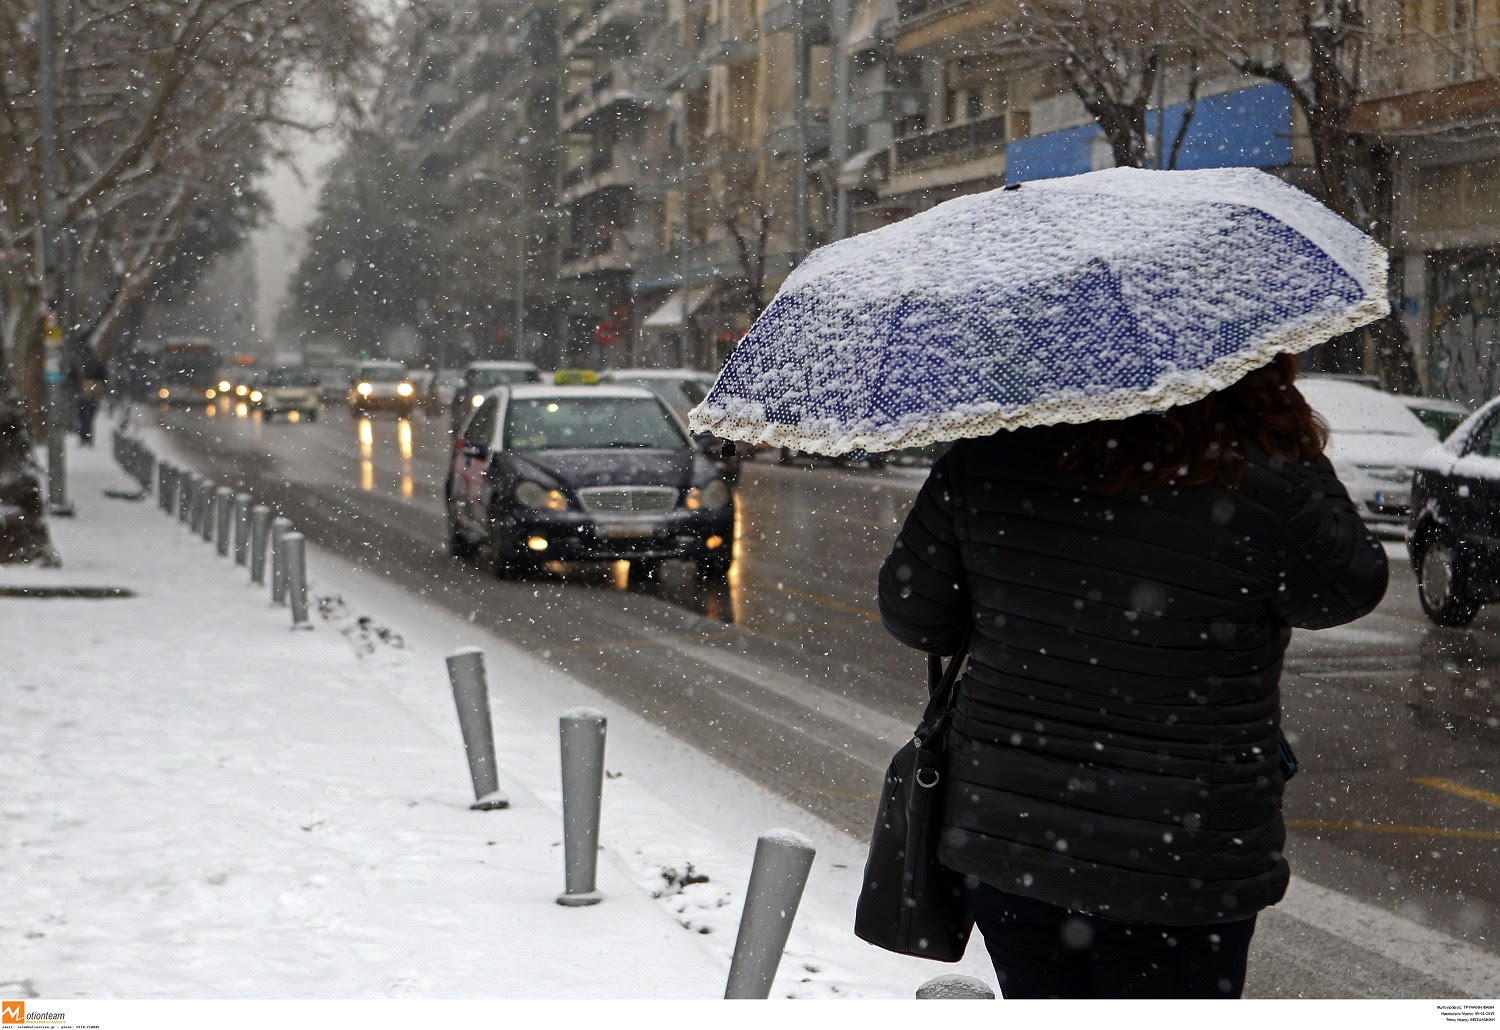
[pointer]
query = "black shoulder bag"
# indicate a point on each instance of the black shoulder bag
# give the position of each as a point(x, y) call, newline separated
point(910, 903)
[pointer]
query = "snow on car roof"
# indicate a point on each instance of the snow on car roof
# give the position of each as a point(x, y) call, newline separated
point(502, 365)
point(531, 391)
point(656, 373)
point(1352, 408)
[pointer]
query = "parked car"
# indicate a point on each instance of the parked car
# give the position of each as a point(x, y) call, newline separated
point(382, 384)
point(445, 386)
point(683, 389)
point(585, 473)
point(481, 376)
point(1374, 443)
point(1454, 533)
point(1440, 415)
point(288, 389)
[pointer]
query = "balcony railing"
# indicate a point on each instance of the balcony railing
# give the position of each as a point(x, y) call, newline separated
point(715, 261)
point(600, 16)
point(728, 42)
point(619, 83)
point(956, 142)
point(615, 167)
point(784, 139)
point(608, 253)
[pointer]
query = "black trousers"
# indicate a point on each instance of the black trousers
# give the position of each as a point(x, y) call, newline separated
point(1042, 951)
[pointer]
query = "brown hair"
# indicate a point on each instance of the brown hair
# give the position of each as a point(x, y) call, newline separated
point(1203, 442)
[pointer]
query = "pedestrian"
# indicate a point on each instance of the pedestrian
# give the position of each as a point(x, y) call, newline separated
point(1127, 590)
point(90, 388)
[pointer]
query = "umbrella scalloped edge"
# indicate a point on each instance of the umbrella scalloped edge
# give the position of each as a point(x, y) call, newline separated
point(748, 425)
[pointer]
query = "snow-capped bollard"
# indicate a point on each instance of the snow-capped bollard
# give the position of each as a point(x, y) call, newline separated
point(202, 509)
point(260, 540)
point(296, 577)
point(471, 696)
point(955, 986)
point(582, 732)
point(185, 497)
point(223, 519)
point(783, 858)
point(279, 529)
point(241, 528)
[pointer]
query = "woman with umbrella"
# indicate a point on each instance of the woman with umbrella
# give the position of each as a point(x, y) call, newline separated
point(1136, 513)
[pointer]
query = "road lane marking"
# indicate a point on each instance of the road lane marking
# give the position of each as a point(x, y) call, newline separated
point(1417, 831)
point(1484, 797)
point(1470, 969)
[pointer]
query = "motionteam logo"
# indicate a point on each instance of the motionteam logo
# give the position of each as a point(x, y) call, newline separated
point(13, 1013)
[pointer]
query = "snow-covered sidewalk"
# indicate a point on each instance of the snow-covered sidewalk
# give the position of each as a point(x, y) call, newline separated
point(200, 802)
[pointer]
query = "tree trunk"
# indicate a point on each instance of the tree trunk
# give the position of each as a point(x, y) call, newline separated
point(23, 522)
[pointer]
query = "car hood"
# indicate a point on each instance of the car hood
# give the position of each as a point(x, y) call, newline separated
point(1377, 449)
point(614, 467)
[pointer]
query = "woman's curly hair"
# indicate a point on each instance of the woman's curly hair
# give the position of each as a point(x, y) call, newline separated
point(1203, 442)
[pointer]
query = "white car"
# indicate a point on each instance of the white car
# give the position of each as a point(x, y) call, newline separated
point(382, 384)
point(1440, 415)
point(1374, 442)
point(284, 390)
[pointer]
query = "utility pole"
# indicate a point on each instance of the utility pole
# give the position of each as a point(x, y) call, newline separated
point(55, 287)
point(800, 202)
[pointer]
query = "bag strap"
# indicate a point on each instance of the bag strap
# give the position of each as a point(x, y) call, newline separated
point(942, 684)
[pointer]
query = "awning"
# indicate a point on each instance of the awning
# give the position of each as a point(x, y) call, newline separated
point(674, 313)
point(852, 172)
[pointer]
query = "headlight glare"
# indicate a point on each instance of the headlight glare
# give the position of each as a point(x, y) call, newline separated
point(404, 389)
point(534, 495)
point(255, 395)
point(364, 389)
point(713, 494)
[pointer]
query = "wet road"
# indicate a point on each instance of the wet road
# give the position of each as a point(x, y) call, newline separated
point(785, 675)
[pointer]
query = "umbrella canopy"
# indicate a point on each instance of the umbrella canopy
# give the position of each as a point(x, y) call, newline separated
point(1067, 300)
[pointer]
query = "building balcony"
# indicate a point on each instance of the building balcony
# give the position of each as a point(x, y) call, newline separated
point(956, 143)
point(787, 138)
point(618, 86)
point(712, 262)
point(886, 105)
point(951, 27)
point(816, 17)
point(616, 168)
point(600, 256)
point(604, 24)
point(731, 42)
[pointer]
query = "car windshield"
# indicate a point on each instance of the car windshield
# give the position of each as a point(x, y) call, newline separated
point(489, 378)
point(581, 423)
point(1444, 422)
point(382, 374)
point(291, 377)
point(681, 393)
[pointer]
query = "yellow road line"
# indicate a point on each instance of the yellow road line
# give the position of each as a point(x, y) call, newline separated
point(1484, 797)
point(827, 602)
point(1417, 831)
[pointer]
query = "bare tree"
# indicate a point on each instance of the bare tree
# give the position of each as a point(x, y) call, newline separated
point(154, 96)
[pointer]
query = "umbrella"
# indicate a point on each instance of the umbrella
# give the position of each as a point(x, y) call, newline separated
point(1098, 296)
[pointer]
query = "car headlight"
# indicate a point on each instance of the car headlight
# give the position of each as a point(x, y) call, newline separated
point(241, 390)
point(534, 495)
point(163, 393)
point(224, 386)
point(477, 399)
point(714, 494)
point(364, 389)
point(404, 389)
point(255, 395)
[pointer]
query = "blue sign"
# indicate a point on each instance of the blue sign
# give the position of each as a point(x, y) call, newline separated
point(54, 378)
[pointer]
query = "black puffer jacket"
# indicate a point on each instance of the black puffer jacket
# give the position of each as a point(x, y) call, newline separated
point(1114, 747)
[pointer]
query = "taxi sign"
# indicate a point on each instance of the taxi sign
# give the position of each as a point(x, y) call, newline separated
point(575, 377)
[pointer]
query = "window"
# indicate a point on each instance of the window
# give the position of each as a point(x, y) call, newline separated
point(481, 428)
point(1486, 442)
point(585, 423)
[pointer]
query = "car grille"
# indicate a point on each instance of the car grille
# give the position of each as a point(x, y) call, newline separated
point(628, 500)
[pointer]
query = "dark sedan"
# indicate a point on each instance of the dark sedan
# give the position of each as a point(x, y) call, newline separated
point(585, 473)
point(1454, 535)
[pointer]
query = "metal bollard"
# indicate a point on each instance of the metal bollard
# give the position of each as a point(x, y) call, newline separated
point(954, 986)
point(279, 529)
point(296, 577)
point(471, 696)
point(210, 516)
point(185, 497)
point(201, 506)
point(783, 858)
point(223, 519)
point(582, 732)
point(163, 477)
point(260, 539)
point(241, 528)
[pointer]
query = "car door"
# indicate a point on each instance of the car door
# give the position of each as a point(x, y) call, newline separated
point(473, 456)
point(1476, 476)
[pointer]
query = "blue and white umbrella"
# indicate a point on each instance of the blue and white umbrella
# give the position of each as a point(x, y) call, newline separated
point(1068, 300)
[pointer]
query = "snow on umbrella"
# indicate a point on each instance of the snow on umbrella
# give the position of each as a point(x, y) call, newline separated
point(1098, 296)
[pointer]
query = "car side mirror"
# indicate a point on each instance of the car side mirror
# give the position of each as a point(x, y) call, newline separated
point(475, 450)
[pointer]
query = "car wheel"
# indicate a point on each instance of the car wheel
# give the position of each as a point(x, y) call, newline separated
point(784, 456)
point(876, 462)
point(713, 570)
point(646, 570)
point(1440, 583)
point(312, 416)
point(503, 564)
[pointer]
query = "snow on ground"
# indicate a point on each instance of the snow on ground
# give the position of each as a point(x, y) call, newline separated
point(199, 802)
